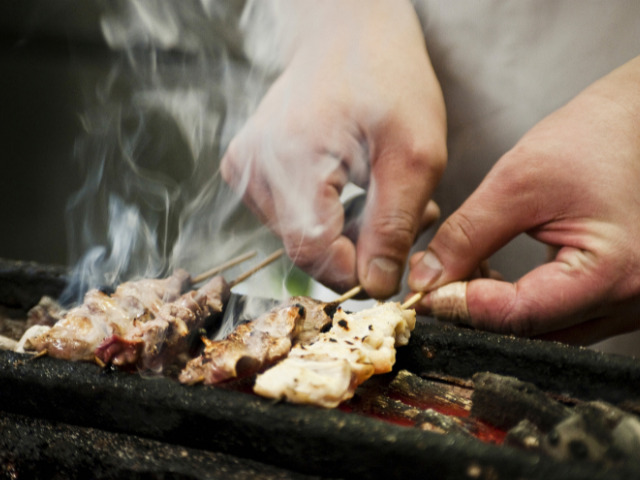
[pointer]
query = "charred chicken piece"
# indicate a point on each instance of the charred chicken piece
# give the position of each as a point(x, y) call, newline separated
point(257, 344)
point(153, 344)
point(83, 328)
point(327, 371)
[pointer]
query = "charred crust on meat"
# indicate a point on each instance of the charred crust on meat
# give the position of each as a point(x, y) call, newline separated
point(343, 323)
point(330, 309)
point(107, 289)
point(301, 310)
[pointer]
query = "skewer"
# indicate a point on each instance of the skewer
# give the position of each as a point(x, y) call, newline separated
point(271, 258)
point(224, 266)
point(413, 300)
point(348, 294)
point(457, 302)
point(358, 288)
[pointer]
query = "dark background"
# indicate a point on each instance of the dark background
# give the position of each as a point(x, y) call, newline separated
point(51, 54)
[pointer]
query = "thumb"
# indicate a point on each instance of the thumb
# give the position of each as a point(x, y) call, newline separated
point(488, 220)
point(550, 300)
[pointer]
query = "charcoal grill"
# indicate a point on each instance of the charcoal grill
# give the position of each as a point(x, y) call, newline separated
point(75, 418)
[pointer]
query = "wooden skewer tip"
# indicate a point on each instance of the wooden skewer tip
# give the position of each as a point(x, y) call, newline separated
point(413, 300)
point(348, 294)
point(270, 259)
point(220, 268)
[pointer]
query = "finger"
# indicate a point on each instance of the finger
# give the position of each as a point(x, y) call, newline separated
point(395, 212)
point(493, 215)
point(240, 172)
point(335, 267)
point(353, 210)
point(551, 298)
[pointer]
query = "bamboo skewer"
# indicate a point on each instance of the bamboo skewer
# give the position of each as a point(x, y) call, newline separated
point(358, 288)
point(348, 294)
point(231, 263)
point(415, 298)
point(271, 258)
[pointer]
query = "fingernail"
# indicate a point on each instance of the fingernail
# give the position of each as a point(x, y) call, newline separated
point(427, 273)
point(384, 273)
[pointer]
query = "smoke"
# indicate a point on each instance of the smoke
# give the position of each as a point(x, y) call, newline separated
point(178, 88)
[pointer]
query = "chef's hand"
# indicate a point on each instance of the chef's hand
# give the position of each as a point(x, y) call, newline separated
point(572, 182)
point(357, 101)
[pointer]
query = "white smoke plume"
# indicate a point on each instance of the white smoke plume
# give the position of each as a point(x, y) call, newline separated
point(153, 200)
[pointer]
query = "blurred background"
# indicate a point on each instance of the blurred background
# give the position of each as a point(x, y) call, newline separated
point(49, 53)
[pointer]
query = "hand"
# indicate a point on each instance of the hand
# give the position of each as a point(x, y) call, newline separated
point(572, 182)
point(358, 101)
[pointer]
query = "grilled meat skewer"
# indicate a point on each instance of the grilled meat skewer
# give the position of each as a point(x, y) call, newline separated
point(326, 371)
point(143, 322)
point(153, 343)
point(254, 345)
point(81, 330)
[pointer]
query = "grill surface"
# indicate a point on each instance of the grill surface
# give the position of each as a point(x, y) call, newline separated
point(237, 432)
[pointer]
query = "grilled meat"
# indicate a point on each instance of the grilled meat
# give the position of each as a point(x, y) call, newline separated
point(154, 343)
point(255, 345)
point(327, 371)
point(83, 328)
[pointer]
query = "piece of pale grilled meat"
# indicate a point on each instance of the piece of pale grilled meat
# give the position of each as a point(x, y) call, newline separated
point(327, 370)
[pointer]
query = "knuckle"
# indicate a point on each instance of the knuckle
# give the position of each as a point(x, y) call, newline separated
point(231, 164)
point(415, 158)
point(458, 232)
point(521, 166)
point(426, 158)
point(516, 315)
point(398, 227)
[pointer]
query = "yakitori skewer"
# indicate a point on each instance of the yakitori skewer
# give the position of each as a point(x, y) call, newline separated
point(119, 315)
point(349, 294)
point(271, 258)
point(220, 268)
point(450, 301)
point(413, 300)
point(155, 343)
